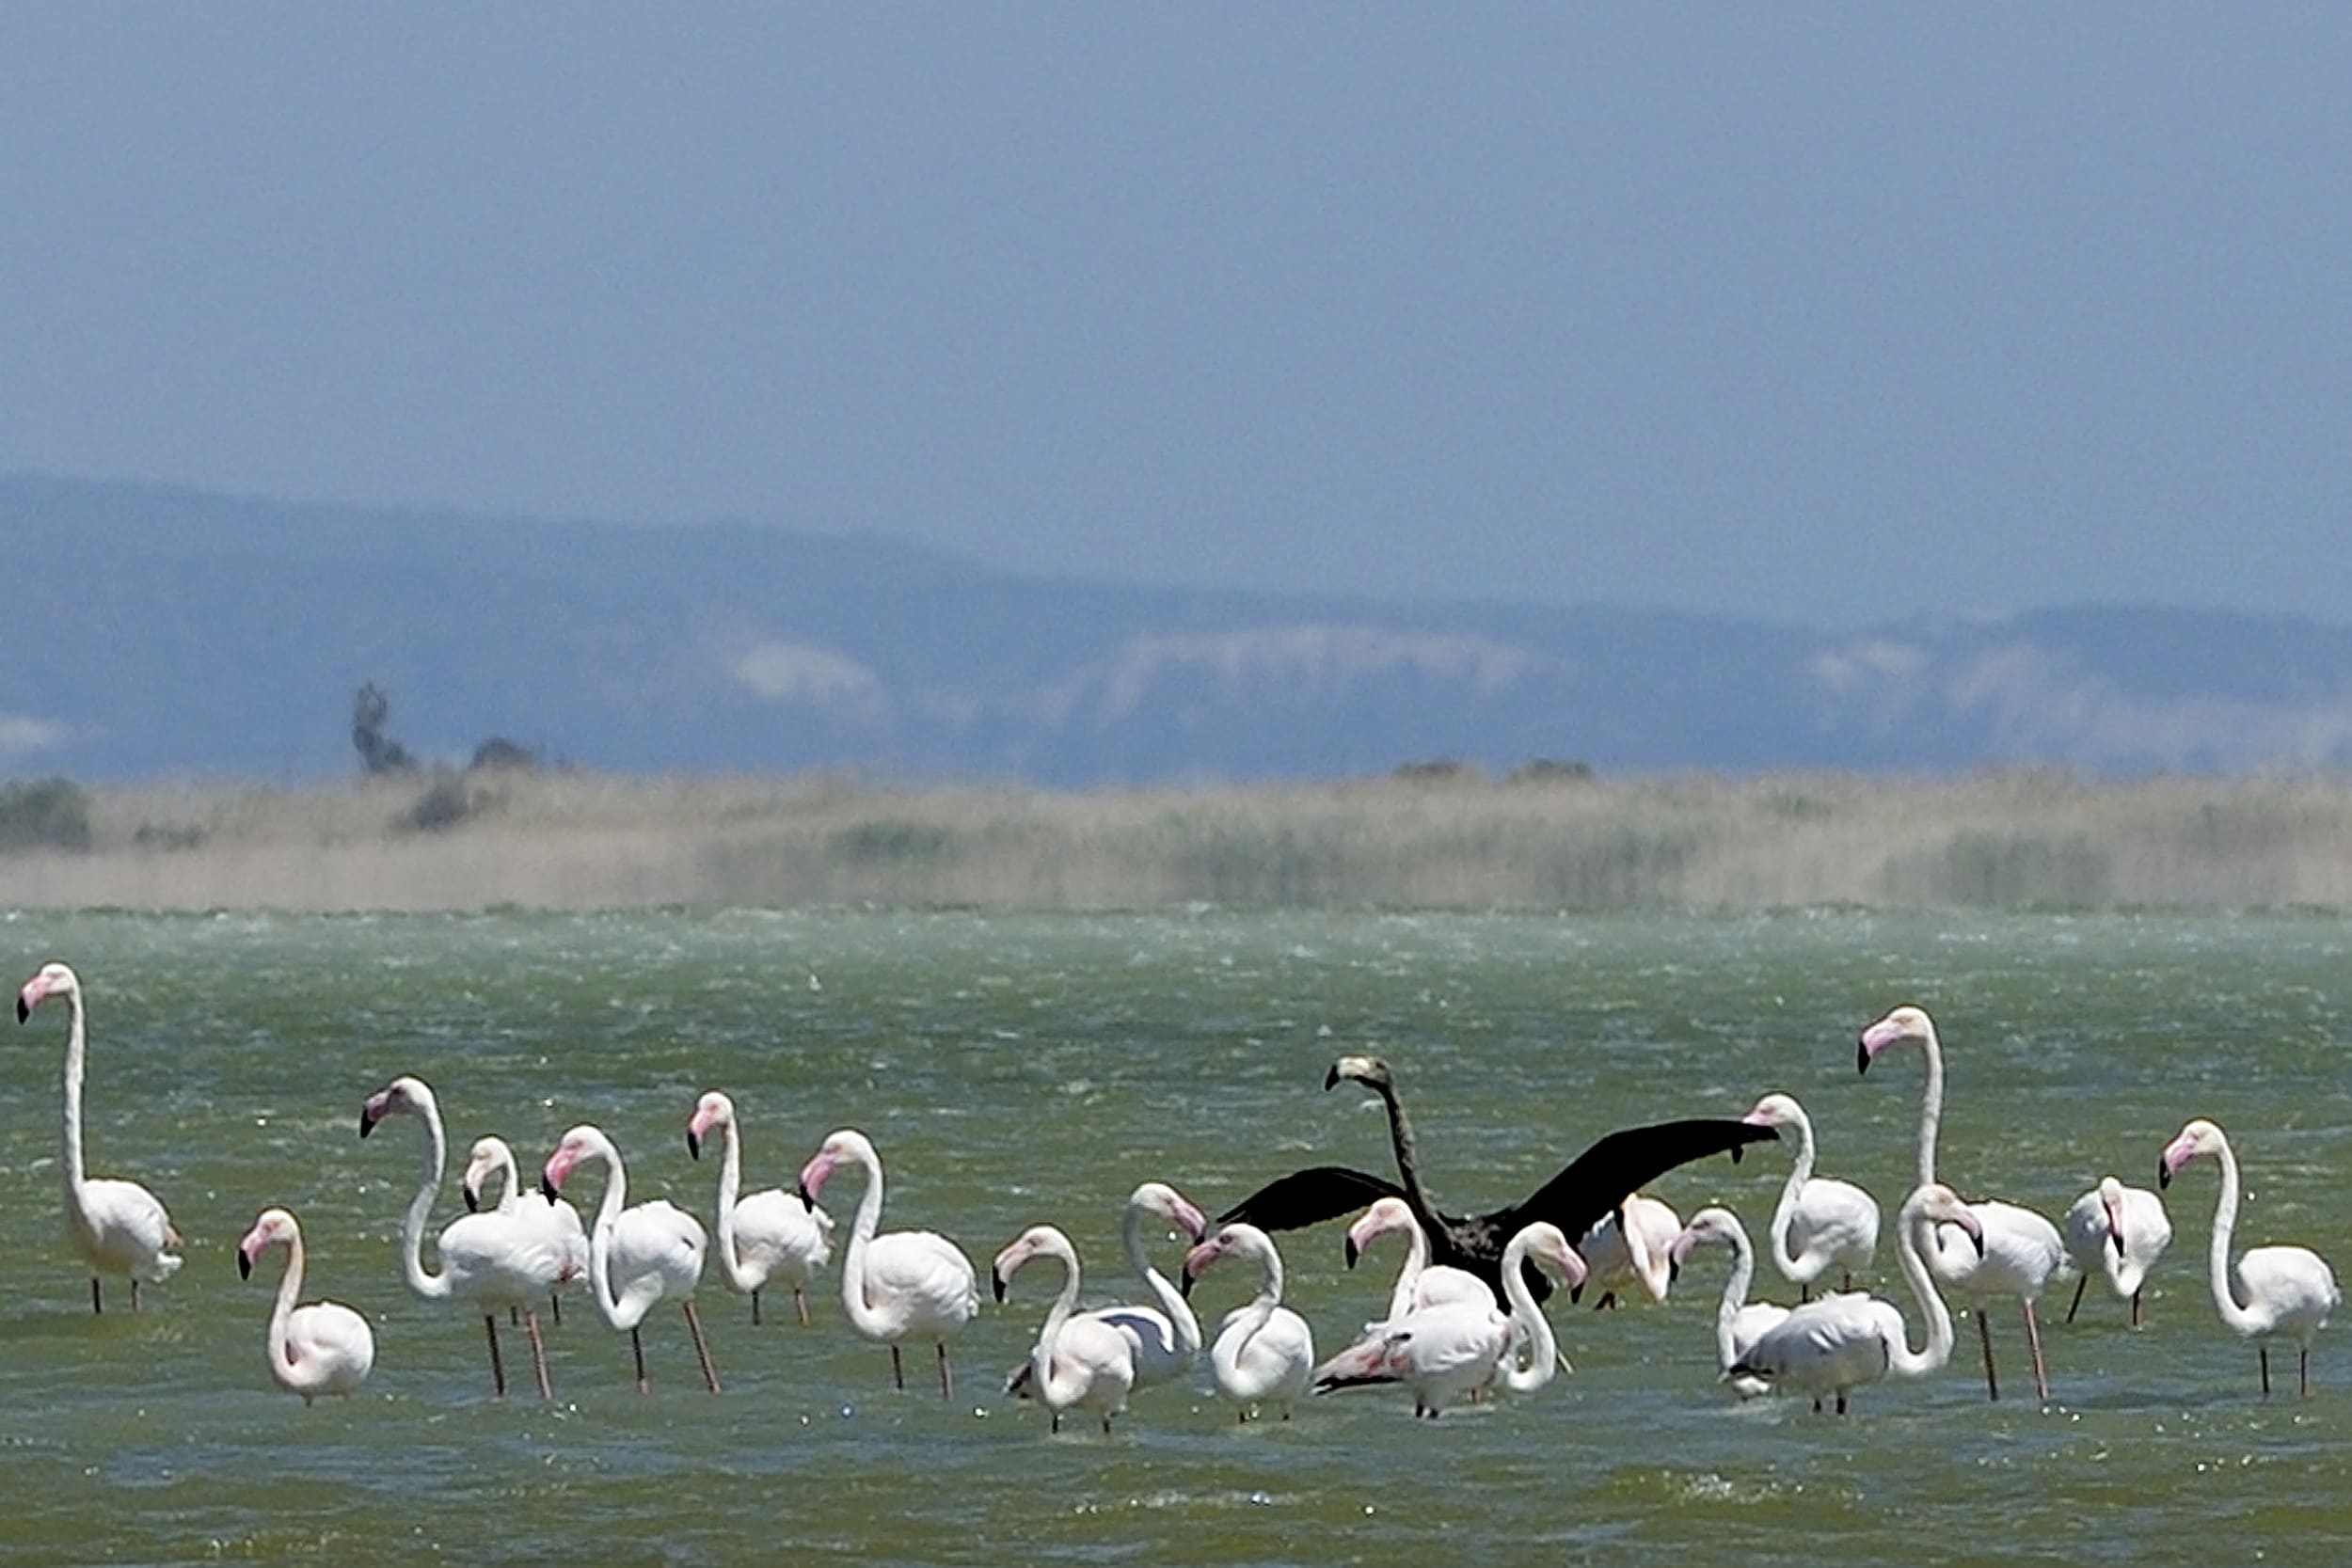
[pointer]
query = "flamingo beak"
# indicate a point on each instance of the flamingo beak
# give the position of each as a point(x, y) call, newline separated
point(1353, 1251)
point(23, 1008)
point(694, 1143)
point(997, 1283)
point(473, 1197)
point(370, 1112)
point(1330, 1076)
point(245, 1264)
point(1862, 1056)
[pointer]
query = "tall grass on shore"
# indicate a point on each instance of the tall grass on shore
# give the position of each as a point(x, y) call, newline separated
point(2016, 838)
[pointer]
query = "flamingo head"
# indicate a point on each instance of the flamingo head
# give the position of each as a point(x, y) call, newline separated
point(401, 1094)
point(844, 1144)
point(2199, 1137)
point(54, 979)
point(2111, 1199)
point(274, 1227)
point(712, 1110)
point(1204, 1255)
point(1159, 1198)
point(1018, 1251)
point(1937, 1204)
point(1904, 1025)
point(1707, 1224)
point(484, 1160)
point(582, 1144)
point(1386, 1215)
point(1371, 1072)
point(1775, 1111)
point(1547, 1245)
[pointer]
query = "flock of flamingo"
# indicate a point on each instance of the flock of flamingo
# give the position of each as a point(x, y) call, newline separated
point(1464, 1322)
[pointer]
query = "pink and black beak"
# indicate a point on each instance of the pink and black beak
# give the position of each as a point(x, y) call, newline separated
point(372, 1110)
point(693, 1144)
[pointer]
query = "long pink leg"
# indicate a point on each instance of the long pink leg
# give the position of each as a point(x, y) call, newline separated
point(702, 1350)
point(538, 1354)
point(2033, 1338)
point(801, 1302)
point(1984, 1327)
point(134, 1293)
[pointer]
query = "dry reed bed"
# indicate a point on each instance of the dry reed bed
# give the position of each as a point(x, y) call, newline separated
point(575, 841)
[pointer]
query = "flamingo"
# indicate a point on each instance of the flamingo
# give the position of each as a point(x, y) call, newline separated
point(2119, 1231)
point(1576, 1199)
point(2289, 1290)
point(321, 1348)
point(1166, 1336)
point(1263, 1352)
point(1452, 1350)
point(1739, 1322)
point(636, 1256)
point(567, 1254)
point(1420, 1285)
point(1082, 1362)
point(491, 1260)
point(768, 1235)
point(907, 1285)
point(1628, 1248)
point(1843, 1341)
point(1821, 1223)
point(2021, 1250)
point(117, 1227)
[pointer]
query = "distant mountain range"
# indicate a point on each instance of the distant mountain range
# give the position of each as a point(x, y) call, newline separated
point(154, 630)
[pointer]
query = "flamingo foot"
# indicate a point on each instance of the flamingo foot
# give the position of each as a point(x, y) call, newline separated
point(702, 1350)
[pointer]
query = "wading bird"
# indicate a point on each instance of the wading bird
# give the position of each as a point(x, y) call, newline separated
point(906, 1284)
point(1263, 1352)
point(1078, 1362)
point(2289, 1290)
point(2117, 1231)
point(1822, 1223)
point(321, 1348)
point(770, 1235)
point(638, 1254)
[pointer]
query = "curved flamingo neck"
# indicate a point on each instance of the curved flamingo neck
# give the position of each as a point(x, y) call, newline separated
point(1409, 1277)
point(1260, 1308)
point(1917, 1230)
point(1542, 1348)
point(2224, 1231)
point(1735, 1294)
point(1171, 1301)
point(863, 1317)
point(511, 1198)
point(76, 1047)
point(620, 1314)
point(289, 1292)
point(1784, 1216)
point(1931, 1105)
point(432, 1287)
point(730, 1188)
point(1042, 1357)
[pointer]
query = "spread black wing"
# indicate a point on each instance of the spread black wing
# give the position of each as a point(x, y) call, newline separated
point(1311, 1197)
point(1597, 1181)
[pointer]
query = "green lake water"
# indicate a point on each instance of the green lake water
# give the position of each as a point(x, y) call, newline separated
point(1021, 1069)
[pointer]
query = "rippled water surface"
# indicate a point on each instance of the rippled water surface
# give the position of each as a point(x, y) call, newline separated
point(1014, 1070)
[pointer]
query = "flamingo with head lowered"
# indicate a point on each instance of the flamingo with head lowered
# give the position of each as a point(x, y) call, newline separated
point(2284, 1292)
point(637, 1255)
point(2120, 1232)
point(564, 1260)
point(770, 1235)
point(907, 1285)
point(323, 1348)
point(2021, 1250)
point(117, 1227)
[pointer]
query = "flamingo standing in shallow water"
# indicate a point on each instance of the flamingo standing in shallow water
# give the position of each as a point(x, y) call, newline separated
point(1843, 1341)
point(322, 1348)
point(637, 1256)
point(117, 1227)
point(564, 1257)
point(1739, 1322)
point(906, 1284)
point(2117, 1231)
point(1454, 1350)
point(1419, 1284)
point(491, 1260)
point(1628, 1248)
point(1078, 1363)
point(770, 1235)
point(1263, 1352)
point(2289, 1292)
point(1822, 1223)
point(2021, 1250)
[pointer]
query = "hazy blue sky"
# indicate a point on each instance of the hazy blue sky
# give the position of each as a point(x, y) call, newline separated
point(1828, 314)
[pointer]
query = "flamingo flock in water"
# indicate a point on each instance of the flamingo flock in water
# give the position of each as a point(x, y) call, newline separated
point(1464, 1322)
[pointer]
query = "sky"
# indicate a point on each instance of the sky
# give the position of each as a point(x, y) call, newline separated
point(1836, 315)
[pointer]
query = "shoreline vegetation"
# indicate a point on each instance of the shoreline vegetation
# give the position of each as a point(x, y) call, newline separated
point(1430, 836)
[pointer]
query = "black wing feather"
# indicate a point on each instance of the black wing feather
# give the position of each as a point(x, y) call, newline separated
point(1309, 1196)
point(1598, 1181)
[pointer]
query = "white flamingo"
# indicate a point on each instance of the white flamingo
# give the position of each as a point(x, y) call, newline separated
point(1078, 1363)
point(117, 1227)
point(1452, 1350)
point(1165, 1335)
point(1628, 1248)
point(907, 1285)
point(1419, 1285)
point(2289, 1290)
point(770, 1235)
point(2021, 1250)
point(566, 1253)
point(1739, 1322)
point(322, 1348)
point(2120, 1232)
point(1263, 1352)
point(1821, 1223)
point(490, 1261)
point(637, 1255)
point(1843, 1341)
